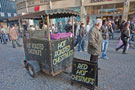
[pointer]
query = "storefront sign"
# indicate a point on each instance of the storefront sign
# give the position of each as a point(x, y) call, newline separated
point(37, 8)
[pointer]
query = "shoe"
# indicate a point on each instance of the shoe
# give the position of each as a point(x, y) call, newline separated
point(116, 49)
point(105, 58)
point(20, 46)
point(124, 53)
point(85, 50)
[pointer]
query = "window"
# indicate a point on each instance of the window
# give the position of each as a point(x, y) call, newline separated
point(43, 1)
point(31, 2)
point(9, 14)
point(2, 14)
point(0, 5)
point(15, 14)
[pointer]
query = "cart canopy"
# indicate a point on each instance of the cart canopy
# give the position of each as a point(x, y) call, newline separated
point(53, 13)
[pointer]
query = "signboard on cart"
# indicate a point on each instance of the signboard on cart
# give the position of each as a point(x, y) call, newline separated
point(83, 72)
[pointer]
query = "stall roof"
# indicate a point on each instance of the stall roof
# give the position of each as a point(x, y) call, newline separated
point(53, 13)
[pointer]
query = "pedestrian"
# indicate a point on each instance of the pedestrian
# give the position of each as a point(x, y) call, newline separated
point(68, 26)
point(81, 42)
point(60, 27)
point(13, 37)
point(125, 35)
point(76, 33)
point(7, 33)
point(37, 27)
point(110, 29)
point(86, 36)
point(25, 26)
point(3, 35)
point(32, 28)
point(122, 25)
point(132, 32)
point(95, 44)
point(105, 35)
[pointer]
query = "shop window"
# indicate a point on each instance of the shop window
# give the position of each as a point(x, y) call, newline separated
point(96, 10)
point(9, 14)
point(119, 8)
point(43, 1)
point(15, 14)
point(132, 7)
point(108, 9)
point(2, 14)
point(31, 2)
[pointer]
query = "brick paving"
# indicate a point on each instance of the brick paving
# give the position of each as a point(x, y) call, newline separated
point(117, 73)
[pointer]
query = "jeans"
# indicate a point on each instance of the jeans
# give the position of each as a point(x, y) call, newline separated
point(81, 44)
point(3, 39)
point(104, 48)
point(111, 36)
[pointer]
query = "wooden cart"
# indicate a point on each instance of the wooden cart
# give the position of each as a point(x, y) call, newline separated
point(42, 53)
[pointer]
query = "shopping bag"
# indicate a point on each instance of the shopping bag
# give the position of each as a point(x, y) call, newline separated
point(120, 43)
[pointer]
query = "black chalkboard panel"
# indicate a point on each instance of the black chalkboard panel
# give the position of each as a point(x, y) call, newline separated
point(84, 72)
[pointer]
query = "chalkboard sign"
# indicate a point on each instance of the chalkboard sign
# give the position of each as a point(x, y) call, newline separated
point(84, 72)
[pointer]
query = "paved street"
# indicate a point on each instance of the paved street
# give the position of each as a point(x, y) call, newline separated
point(117, 73)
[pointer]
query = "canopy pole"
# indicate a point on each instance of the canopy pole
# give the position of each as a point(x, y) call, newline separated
point(20, 25)
point(73, 25)
point(48, 27)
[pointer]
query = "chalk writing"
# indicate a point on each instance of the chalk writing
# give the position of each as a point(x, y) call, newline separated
point(35, 49)
point(63, 51)
point(83, 72)
point(83, 79)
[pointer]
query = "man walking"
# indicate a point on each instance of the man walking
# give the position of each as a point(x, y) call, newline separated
point(105, 34)
point(95, 44)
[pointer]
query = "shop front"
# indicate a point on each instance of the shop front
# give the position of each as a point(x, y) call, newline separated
point(109, 11)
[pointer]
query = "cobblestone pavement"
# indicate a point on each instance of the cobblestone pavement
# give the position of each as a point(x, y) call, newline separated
point(117, 73)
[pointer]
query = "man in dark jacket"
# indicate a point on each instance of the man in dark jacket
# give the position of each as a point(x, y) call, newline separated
point(68, 27)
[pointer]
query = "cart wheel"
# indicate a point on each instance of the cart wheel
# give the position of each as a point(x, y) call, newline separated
point(31, 70)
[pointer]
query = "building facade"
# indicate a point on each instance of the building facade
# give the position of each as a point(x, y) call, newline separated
point(7, 9)
point(89, 9)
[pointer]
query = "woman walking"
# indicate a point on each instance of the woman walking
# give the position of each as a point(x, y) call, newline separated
point(13, 37)
point(125, 35)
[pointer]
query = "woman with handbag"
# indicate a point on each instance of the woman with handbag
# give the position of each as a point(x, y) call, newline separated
point(125, 35)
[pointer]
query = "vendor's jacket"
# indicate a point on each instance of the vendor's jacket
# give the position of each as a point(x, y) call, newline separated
point(95, 41)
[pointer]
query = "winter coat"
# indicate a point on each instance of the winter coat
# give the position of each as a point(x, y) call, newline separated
point(125, 35)
point(13, 34)
point(95, 41)
point(68, 28)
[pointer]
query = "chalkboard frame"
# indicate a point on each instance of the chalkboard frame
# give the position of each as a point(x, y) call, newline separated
point(85, 62)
